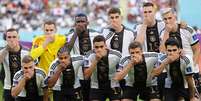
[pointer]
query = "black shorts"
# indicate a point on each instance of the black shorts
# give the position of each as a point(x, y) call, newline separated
point(173, 94)
point(39, 98)
point(103, 94)
point(197, 79)
point(146, 93)
point(7, 95)
point(75, 95)
point(85, 88)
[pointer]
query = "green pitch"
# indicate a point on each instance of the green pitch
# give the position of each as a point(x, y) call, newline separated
point(1, 91)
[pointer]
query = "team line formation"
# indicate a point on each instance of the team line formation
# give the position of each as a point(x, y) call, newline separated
point(155, 61)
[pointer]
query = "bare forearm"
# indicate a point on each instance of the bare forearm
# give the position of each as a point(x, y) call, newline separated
point(45, 96)
point(191, 86)
point(120, 75)
point(141, 34)
point(89, 71)
point(17, 89)
point(165, 37)
point(53, 79)
point(158, 70)
point(196, 53)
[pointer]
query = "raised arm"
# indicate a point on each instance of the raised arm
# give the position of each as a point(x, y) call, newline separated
point(53, 78)
point(88, 71)
point(121, 74)
point(18, 88)
point(141, 32)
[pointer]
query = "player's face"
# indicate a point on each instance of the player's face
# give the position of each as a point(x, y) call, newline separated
point(136, 52)
point(81, 23)
point(172, 50)
point(49, 29)
point(169, 18)
point(28, 67)
point(115, 20)
point(149, 12)
point(12, 38)
point(100, 47)
point(64, 58)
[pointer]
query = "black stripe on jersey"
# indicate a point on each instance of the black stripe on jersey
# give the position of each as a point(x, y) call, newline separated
point(163, 57)
point(124, 59)
point(185, 59)
point(117, 53)
point(109, 35)
point(189, 29)
point(189, 74)
point(55, 65)
point(160, 33)
point(40, 72)
point(77, 58)
point(195, 43)
point(70, 31)
point(18, 75)
point(150, 55)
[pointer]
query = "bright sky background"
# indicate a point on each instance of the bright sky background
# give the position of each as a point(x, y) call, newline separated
point(190, 11)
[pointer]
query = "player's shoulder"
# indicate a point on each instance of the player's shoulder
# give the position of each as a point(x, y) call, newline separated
point(39, 38)
point(54, 64)
point(115, 52)
point(186, 59)
point(150, 54)
point(77, 57)
point(40, 72)
point(188, 29)
point(162, 56)
point(124, 59)
point(18, 74)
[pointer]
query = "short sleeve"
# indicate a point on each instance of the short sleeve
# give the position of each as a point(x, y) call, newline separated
point(123, 62)
point(87, 62)
point(17, 77)
point(189, 66)
point(194, 38)
point(51, 72)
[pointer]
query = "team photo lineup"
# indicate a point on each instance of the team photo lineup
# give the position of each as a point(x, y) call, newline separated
point(156, 59)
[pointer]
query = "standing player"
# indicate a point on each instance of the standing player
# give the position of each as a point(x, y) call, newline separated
point(148, 33)
point(81, 42)
point(117, 35)
point(45, 47)
point(11, 57)
point(186, 37)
